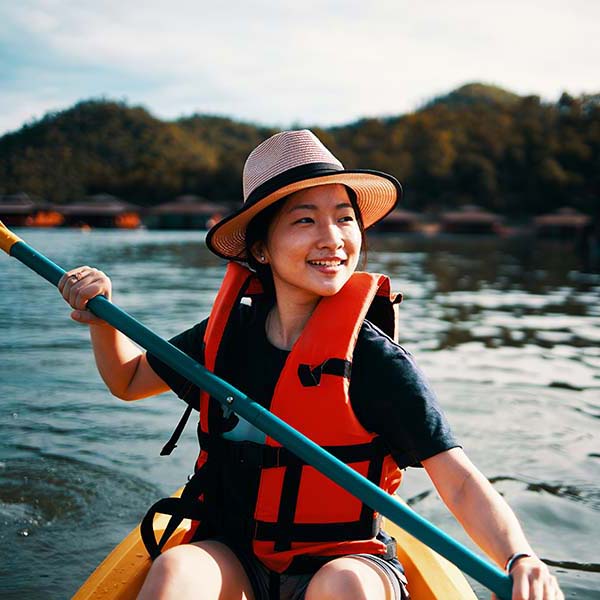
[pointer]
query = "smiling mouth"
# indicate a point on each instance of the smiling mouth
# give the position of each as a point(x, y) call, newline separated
point(326, 263)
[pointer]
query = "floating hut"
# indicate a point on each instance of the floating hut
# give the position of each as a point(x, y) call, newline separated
point(20, 210)
point(185, 212)
point(471, 219)
point(566, 224)
point(101, 210)
point(399, 221)
point(46, 216)
point(16, 209)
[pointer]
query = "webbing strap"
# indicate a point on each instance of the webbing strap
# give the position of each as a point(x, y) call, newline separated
point(374, 475)
point(287, 507)
point(188, 506)
point(274, 585)
point(311, 376)
point(172, 443)
point(253, 455)
point(179, 509)
point(318, 532)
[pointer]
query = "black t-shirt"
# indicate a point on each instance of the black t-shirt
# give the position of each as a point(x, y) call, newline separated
point(388, 392)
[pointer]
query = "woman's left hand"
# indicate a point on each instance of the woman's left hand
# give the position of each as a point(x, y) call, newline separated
point(532, 580)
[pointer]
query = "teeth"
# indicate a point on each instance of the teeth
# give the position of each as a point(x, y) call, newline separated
point(326, 263)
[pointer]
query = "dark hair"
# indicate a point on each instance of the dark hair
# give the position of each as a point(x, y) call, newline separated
point(258, 229)
point(364, 248)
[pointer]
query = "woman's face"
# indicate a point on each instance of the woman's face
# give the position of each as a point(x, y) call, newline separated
point(313, 244)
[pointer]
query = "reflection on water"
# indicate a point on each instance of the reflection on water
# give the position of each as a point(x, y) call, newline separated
point(507, 330)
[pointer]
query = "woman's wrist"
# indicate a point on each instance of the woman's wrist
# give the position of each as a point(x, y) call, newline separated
point(514, 558)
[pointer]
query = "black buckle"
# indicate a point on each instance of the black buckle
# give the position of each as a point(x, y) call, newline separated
point(248, 454)
point(310, 377)
point(258, 456)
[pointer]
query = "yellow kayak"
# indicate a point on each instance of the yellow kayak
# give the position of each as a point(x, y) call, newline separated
point(121, 574)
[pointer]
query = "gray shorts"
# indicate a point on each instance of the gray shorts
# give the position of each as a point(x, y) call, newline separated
point(293, 587)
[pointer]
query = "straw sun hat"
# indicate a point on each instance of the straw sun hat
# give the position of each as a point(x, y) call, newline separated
point(288, 162)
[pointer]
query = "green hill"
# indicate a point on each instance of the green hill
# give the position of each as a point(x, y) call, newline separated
point(476, 93)
point(478, 144)
point(103, 146)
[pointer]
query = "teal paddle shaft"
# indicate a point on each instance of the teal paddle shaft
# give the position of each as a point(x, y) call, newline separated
point(373, 496)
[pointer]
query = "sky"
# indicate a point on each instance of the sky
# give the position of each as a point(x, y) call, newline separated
point(283, 63)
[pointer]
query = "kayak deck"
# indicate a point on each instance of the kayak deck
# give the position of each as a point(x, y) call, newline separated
point(430, 576)
point(121, 574)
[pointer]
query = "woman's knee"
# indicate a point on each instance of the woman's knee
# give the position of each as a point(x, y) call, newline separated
point(347, 578)
point(179, 563)
point(173, 573)
point(203, 570)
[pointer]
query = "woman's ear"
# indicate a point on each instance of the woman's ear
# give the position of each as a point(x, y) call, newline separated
point(258, 251)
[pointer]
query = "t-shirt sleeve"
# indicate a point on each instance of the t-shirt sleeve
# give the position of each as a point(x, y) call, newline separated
point(191, 342)
point(391, 397)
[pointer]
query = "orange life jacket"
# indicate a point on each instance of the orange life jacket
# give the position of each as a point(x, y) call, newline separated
point(300, 512)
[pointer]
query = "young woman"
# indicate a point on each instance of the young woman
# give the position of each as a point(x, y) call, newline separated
point(315, 345)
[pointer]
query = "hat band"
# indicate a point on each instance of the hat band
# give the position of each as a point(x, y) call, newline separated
point(294, 175)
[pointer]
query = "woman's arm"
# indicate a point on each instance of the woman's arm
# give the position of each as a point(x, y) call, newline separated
point(490, 522)
point(122, 365)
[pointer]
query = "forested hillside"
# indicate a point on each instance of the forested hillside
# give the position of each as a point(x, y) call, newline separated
point(478, 144)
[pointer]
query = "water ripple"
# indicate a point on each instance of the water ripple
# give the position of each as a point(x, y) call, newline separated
point(50, 502)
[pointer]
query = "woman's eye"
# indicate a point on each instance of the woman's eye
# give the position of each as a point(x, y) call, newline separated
point(304, 220)
point(347, 219)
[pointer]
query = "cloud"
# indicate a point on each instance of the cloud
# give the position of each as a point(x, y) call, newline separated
point(284, 62)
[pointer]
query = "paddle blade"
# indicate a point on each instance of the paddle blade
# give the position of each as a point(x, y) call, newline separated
point(7, 238)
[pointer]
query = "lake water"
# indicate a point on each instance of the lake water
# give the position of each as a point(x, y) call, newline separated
point(507, 330)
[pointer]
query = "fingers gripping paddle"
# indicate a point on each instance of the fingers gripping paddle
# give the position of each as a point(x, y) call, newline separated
point(385, 504)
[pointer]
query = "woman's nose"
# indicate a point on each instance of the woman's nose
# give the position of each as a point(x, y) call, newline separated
point(331, 236)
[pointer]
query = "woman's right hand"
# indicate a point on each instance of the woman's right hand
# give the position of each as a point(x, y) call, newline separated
point(78, 286)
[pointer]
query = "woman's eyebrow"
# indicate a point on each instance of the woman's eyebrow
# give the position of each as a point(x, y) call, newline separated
point(303, 207)
point(314, 207)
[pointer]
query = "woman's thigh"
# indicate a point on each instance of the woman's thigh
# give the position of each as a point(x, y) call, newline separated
point(352, 577)
point(201, 570)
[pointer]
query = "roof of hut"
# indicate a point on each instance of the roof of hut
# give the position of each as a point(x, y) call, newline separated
point(16, 204)
point(470, 213)
point(188, 204)
point(399, 215)
point(99, 204)
point(564, 216)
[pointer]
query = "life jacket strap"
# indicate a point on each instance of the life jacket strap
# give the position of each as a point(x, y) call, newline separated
point(188, 506)
point(274, 585)
point(172, 443)
point(253, 455)
point(179, 510)
point(287, 507)
point(311, 376)
point(318, 532)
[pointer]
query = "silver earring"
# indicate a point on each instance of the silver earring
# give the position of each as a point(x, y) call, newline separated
point(262, 258)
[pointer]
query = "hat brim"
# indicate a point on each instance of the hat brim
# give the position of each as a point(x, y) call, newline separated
point(377, 194)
